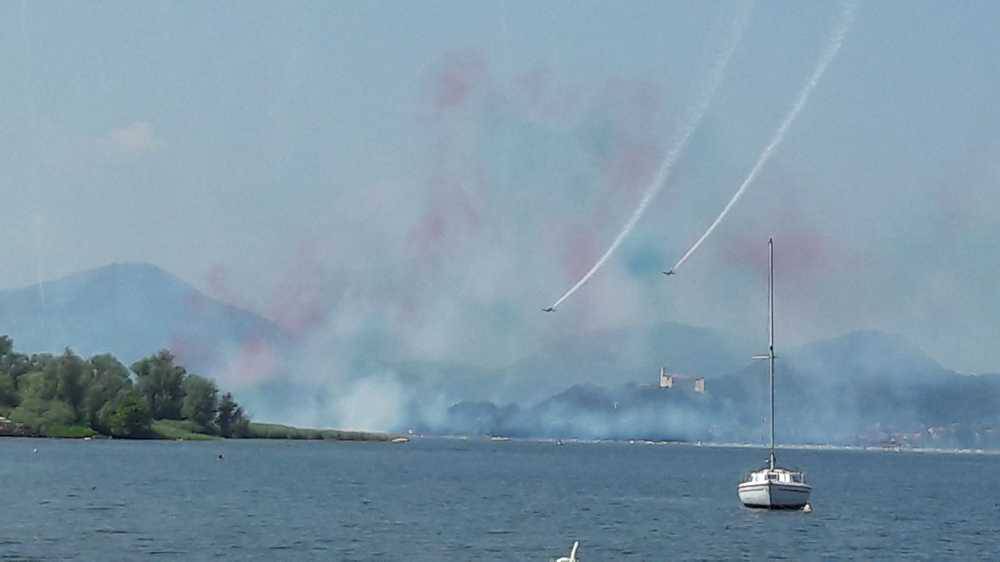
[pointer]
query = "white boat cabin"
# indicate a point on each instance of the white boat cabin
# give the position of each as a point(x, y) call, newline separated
point(778, 475)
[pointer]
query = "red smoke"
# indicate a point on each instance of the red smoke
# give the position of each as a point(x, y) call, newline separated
point(217, 285)
point(635, 145)
point(460, 75)
point(632, 166)
point(581, 252)
point(189, 351)
point(799, 252)
point(450, 219)
point(255, 362)
point(300, 301)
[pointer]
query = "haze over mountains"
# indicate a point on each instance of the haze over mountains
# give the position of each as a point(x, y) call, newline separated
point(130, 310)
point(863, 386)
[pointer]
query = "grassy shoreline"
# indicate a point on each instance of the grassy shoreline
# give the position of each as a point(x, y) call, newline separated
point(189, 431)
point(278, 431)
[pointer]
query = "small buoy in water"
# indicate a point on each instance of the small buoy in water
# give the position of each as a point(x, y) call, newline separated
point(35, 451)
point(221, 456)
point(807, 508)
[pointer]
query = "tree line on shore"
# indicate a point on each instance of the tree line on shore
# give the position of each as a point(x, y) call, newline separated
point(69, 395)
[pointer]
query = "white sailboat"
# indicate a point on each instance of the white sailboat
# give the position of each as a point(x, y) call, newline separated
point(773, 487)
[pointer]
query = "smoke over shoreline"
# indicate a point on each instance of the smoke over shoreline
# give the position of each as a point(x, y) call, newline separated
point(397, 192)
point(885, 392)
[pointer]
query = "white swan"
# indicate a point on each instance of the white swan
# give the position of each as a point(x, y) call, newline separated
point(572, 554)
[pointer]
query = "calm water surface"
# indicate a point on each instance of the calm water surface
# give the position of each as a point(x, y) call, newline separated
point(440, 499)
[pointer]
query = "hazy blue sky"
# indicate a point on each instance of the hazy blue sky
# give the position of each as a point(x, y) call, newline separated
point(438, 171)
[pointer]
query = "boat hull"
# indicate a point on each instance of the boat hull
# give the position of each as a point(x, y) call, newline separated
point(774, 495)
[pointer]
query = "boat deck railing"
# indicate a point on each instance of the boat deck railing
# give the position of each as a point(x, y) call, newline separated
point(778, 472)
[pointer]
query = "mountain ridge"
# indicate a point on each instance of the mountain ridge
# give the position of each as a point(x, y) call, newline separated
point(832, 389)
point(129, 309)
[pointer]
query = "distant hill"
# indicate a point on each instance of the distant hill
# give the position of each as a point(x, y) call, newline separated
point(130, 310)
point(860, 388)
point(864, 382)
point(863, 386)
point(867, 355)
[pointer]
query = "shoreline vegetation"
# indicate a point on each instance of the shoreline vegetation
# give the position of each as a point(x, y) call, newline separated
point(67, 396)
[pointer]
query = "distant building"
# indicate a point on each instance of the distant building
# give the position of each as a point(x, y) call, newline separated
point(666, 380)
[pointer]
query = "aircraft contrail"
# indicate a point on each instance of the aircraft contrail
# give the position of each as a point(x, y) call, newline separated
point(846, 20)
point(694, 117)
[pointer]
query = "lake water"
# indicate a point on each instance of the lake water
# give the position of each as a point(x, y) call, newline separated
point(447, 499)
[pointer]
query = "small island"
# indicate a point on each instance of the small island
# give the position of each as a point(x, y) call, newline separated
point(68, 396)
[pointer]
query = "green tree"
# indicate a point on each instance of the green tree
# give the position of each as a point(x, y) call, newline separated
point(127, 415)
point(201, 398)
point(15, 364)
point(18, 364)
point(8, 390)
point(105, 378)
point(67, 374)
point(40, 414)
point(36, 384)
point(8, 381)
point(109, 365)
point(231, 420)
point(161, 383)
point(39, 361)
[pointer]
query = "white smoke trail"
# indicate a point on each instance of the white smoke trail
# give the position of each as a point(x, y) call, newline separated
point(846, 19)
point(694, 116)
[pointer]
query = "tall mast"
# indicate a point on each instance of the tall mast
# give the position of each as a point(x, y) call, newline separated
point(770, 341)
point(770, 337)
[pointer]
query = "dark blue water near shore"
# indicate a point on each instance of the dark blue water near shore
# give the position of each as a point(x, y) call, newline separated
point(442, 499)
